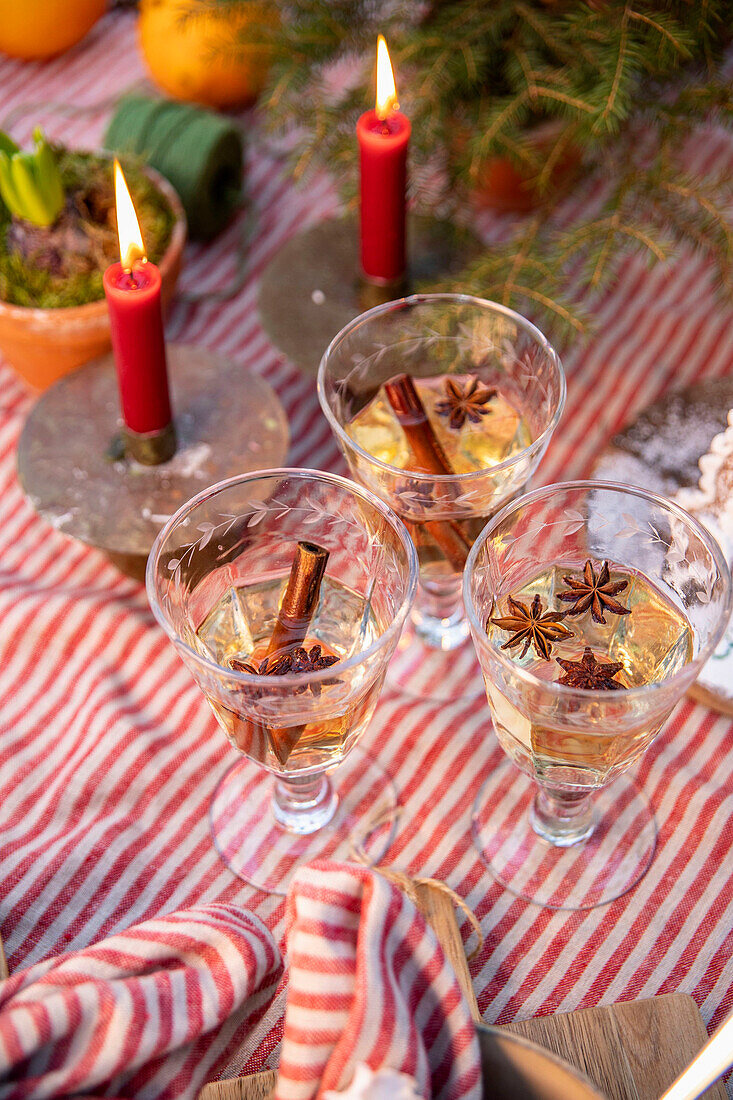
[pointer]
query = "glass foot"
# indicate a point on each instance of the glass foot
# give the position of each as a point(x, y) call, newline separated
point(591, 871)
point(258, 849)
point(428, 672)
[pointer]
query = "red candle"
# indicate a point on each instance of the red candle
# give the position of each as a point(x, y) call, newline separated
point(383, 135)
point(132, 289)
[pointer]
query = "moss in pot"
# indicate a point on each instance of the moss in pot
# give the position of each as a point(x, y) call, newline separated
point(57, 235)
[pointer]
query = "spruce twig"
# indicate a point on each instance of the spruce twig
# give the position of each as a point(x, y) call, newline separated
point(623, 84)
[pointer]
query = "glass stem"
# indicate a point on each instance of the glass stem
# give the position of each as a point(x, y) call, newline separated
point(304, 804)
point(438, 615)
point(563, 817)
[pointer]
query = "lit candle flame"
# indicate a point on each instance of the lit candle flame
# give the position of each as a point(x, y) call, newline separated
point(386, 91)
point(128, 227)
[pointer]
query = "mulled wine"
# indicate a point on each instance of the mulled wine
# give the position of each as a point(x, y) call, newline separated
point(444, 425)
point(479, 433)
point(237, 634)
point(602, 628)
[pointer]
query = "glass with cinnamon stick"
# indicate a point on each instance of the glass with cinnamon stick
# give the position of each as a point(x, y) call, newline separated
point(285, 592)
point(443, 405)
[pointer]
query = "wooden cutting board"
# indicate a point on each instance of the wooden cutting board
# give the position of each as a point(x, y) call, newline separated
point(631, 1051)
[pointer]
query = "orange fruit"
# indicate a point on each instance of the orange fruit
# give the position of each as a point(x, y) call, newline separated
point(202, 54)
point(45, 27)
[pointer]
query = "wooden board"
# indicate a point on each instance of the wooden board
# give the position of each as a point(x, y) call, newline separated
point(711, 699)
point(258, 1086)
point(631, 1051)
point(437, 908)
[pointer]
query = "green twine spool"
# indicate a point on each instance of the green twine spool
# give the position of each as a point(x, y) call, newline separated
point(198, 151)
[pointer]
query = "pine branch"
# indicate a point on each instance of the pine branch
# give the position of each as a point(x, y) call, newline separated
point(620, 76)
point(667, 30)
point(623, 81)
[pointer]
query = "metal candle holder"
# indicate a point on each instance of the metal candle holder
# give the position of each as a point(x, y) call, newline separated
point(312, 288)
point(73, 467)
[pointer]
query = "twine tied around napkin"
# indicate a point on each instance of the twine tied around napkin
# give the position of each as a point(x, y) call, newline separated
point(369, 983)
point(409, 883)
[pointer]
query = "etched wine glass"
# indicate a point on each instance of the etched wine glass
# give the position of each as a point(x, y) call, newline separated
point(284, 592)
point(443, 405)
point(593, 607)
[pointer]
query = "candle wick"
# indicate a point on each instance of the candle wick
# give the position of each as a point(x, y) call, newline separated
point(130, 282)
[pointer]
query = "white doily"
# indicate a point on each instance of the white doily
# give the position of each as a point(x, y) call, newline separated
point(712, 503)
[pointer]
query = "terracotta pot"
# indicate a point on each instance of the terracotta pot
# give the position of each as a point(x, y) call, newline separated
point(503, 187)
point(42, 345)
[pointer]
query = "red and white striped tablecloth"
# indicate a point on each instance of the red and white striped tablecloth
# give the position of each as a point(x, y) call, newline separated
point(109, 755)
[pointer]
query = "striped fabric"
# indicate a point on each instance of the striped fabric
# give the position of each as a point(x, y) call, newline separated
point(108, 755)
point(132, 1016)
point(369, 984)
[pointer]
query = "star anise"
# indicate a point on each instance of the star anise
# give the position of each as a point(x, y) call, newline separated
point(417, 494)
point(594, 591)
point(533, 626)
point(463, 402)
point(590, 673)
point(298, 660)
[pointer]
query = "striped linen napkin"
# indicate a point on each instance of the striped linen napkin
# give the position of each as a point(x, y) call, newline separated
point(369, 985)
point(136, 1015)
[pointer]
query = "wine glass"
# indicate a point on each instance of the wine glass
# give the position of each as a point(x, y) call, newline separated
point(489, 389)
point(630, 595)
point(223, 578)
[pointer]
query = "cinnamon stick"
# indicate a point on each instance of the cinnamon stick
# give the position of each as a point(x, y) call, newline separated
point(410, 412)
point(451, 540)
point(430, 456)
point(298, 604)
point(300, 599)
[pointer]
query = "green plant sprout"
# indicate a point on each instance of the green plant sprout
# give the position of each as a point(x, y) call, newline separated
point(30, 182)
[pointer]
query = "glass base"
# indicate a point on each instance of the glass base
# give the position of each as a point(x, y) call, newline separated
point(358, 807)
point(427, 671)
point(587, 870)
